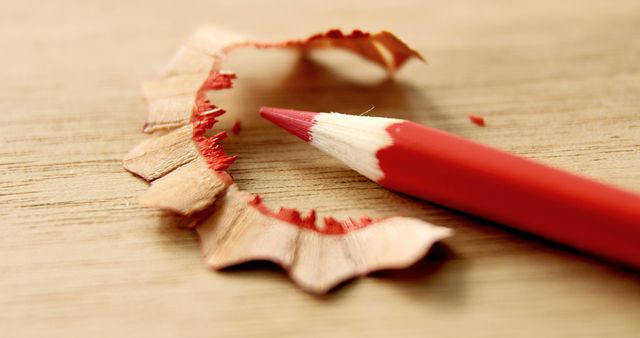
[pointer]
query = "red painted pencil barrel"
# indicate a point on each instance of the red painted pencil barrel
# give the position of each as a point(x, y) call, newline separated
point(468, 176)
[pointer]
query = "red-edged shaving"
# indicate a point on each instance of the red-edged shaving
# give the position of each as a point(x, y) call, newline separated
point(242, 229)
point(186, 167)
point(294, 217)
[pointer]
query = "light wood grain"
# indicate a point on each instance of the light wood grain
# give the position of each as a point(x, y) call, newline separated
point(558, 81)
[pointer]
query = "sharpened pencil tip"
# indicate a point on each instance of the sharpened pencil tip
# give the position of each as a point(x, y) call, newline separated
point(296, 122)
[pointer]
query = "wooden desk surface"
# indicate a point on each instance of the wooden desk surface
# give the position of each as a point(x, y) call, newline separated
point(558, 81)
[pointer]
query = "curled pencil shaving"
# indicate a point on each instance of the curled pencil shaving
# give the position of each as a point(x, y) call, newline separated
point(196, 68)
point(240, 230)
point(186, 171)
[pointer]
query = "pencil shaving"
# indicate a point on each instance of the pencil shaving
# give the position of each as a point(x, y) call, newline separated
point(238, 232)
point(181, 180)
point(196, 67)
point(186, 171)
point(188, 189)
point(160, 154)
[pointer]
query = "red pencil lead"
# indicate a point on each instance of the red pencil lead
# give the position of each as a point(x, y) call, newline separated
point(297, 122)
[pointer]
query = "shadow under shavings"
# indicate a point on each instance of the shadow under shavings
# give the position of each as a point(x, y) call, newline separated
point(312, 86)
point(440, 277)
point(270, 269)
point(175, 229)
point(417, 275)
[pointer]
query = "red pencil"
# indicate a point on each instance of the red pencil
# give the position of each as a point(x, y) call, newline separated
point(464, 175)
